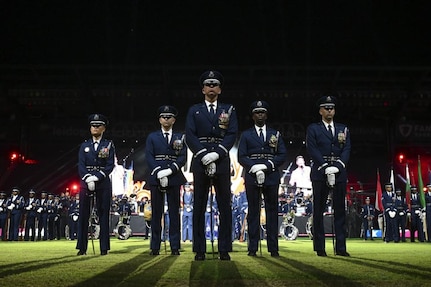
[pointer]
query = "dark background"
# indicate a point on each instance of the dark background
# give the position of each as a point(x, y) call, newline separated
point(62, 60)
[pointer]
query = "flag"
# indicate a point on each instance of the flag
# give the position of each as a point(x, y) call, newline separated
point(378, 203)
point(408, 190)
point(421, 184)
point(392, 178)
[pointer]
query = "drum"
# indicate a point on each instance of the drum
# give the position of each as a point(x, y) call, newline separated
point(148, 212)
point(122, 231)
point(289, 231)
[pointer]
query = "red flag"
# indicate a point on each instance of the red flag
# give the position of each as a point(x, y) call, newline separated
point(378, 203)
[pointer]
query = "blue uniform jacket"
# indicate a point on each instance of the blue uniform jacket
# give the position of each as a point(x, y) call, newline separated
point(206, 134)
point(99, 163)
point(160, 155)
point(188, 203)
point(328, 151)
point(272, 153)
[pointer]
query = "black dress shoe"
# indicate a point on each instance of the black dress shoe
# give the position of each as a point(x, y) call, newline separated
point(342, 253)
point(321, 253)
point(104, 252)
point(175, 252)
point(154, 252)
point(252, 253)
point(200, 256)
point(275, 254)
point(81, 252)
point(224, 256)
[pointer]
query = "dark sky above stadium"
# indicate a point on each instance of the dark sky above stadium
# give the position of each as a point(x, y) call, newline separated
point(295, 33)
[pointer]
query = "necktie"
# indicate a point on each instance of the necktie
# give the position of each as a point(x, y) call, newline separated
point(261, 135)
point(96, 144)
point(167, 137)
point(330, 130)
point(212, 111)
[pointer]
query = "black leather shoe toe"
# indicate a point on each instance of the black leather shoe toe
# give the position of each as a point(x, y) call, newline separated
point(321, 253)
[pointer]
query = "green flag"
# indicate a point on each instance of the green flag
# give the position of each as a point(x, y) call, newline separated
point(421, 184)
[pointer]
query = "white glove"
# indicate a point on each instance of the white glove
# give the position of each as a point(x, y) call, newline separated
point(164, 173)
point(28, 207)
point(91, 185)
point(39, 210)
point(210, 157)
point(260, 177)
point(91, 178)
point(164, 181)
point(331, 170)
point(417, 211)
point(1, 209)
point(392, 214)
point(331, 179)
point(401, 213)
point(211, 169)
point(257, 167)
point(11, 206)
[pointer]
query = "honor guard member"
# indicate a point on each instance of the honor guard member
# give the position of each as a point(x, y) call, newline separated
point(165, 153)
point(211, 131)
point(31, 205)
point(401, 218)
point(95, 163)
point(239, 213)
point(16, 207)
point(3, 215)
point(42, 218)
point(57, 218)
point(428, 211)
point(52, 213)
point(367, 214)
point(416, 224)
point(261, 152)
point(187, 217)
point(73, 217)
point(388, 200)
point(328, 144)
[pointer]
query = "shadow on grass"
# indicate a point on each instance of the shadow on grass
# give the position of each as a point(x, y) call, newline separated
point(414, 271)
point(141, 270)
point(214, 273)
point(307, 272)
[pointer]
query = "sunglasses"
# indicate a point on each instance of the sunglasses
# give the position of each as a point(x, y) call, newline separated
point(328, 108)
point(211, 85)
point(166, 117)
point(259, 112)
point(96, 126)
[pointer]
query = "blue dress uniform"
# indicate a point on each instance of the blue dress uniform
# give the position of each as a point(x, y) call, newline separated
point(416, 224)
point(31, 205)
point(187, 217)
point(428, 211)
point(211, 210)
point(367, 215)
point(328, 150)
point(16, 206)
point(388, 201)
point(401, 218)
point(42, 218)
point(73, 216)
point(270, 152)
point(165, 156)
point(3, 214)
point(239, 208)
point(52, 213)
point(207, 134)
point(94, 167)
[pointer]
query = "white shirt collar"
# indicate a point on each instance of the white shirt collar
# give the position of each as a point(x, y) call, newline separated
point(209, 103)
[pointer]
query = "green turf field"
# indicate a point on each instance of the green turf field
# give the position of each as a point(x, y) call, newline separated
point(372, 263)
